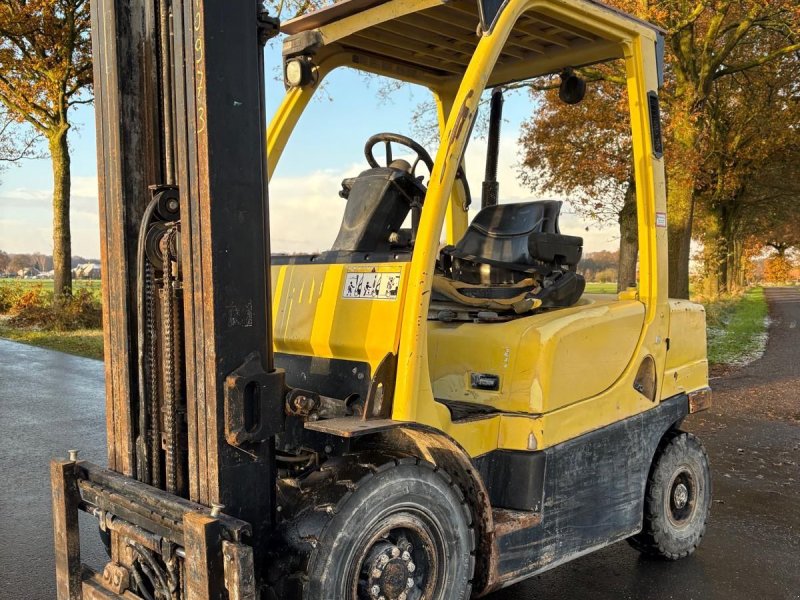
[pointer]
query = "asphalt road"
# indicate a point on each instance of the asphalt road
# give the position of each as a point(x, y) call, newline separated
point(51, 402)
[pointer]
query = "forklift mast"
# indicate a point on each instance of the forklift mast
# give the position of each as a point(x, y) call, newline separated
point(193, 398)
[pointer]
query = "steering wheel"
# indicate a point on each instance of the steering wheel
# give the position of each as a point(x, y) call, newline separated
point(421, 155)
point(387, 139)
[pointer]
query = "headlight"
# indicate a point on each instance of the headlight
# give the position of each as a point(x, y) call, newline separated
point(298, 72)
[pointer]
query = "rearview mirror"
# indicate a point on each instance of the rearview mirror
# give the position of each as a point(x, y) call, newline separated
point(572, 88)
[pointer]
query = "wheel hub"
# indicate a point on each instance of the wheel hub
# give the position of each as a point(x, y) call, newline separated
point(390, 568)
point(680, 496)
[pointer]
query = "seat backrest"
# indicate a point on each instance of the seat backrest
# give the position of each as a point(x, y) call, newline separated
point(378, 202)
point(500, 233)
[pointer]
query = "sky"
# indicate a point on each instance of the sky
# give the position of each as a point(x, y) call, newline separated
point(326, 147)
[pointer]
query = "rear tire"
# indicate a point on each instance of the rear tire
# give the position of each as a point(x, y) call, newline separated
point(397, 529)
point(677, 499)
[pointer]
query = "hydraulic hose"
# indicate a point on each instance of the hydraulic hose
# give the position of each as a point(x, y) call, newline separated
point(142, 450)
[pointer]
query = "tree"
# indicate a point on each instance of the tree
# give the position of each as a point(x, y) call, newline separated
point(777, 269)
point(288, 9)
point(565, 151)
point(45, 70)
point(708, 41)
point(752, 131)
point(20, 261)
point(5, 260)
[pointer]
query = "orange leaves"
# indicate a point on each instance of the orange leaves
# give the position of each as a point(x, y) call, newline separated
point(45, 59)
point(582, 150)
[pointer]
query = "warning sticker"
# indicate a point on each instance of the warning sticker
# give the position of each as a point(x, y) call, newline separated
point(661, 219)
point(362, 285)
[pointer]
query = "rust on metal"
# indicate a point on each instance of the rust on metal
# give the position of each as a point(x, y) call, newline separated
point(700, 400)
point(95, 588)
point(239, 571)
point(204, 568)
point(509, 521)
point(66, 500)
point(116, 577)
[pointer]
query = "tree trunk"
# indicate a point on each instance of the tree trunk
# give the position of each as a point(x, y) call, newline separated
point(711, 266)
point(730, 231)
point(680, 203)
point(62, 240)
point(736, 266)
point(681, 212)
point(714, 249)
point(628, 240)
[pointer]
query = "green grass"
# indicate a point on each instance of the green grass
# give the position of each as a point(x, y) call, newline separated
point(82, 342)
point(737, 328)
point(601, 288)
point(47, 284)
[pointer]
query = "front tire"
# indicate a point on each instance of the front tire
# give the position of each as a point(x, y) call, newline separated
point(400, 530)
point(677, 499)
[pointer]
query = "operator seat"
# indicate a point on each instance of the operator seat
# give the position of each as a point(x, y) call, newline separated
point(512, 252)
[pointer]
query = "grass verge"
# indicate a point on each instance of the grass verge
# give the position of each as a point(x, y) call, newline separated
point(737, 328)
point(82, 342)
point(601, 288)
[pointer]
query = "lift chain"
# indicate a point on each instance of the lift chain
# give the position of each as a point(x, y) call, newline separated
point(168, 363)
point(152, 376)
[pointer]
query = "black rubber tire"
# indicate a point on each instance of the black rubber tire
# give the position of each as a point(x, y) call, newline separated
point(673, 527)
point(360, 495)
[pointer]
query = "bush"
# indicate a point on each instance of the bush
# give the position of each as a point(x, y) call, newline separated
point(39, 308)
point(82, 310)
point(9, 294)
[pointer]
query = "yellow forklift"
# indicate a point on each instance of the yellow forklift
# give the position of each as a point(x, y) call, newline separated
point(392, 418)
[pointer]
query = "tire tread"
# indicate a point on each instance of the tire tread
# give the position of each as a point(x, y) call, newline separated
point(651, 540)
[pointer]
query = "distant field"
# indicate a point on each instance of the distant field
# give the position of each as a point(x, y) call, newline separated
point(47, 284)
point(601, 288)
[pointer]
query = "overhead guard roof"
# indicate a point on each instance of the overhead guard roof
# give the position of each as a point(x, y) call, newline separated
point(437, 38)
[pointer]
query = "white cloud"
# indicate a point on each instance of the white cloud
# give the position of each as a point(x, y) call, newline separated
point(26, 218)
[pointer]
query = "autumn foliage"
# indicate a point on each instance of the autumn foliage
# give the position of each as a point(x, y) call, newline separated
point(730, 110)
point(45, 70)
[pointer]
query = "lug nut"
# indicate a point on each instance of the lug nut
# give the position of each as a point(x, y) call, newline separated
point(395, 552)
point(383, 559)
point(411, 567)
point(406, 556)
point(73, 455)
point(401, 596)
point(376, 573)
point(409, 583)
point(375, 590)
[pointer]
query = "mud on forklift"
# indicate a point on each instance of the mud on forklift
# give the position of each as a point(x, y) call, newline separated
point(388, 419)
